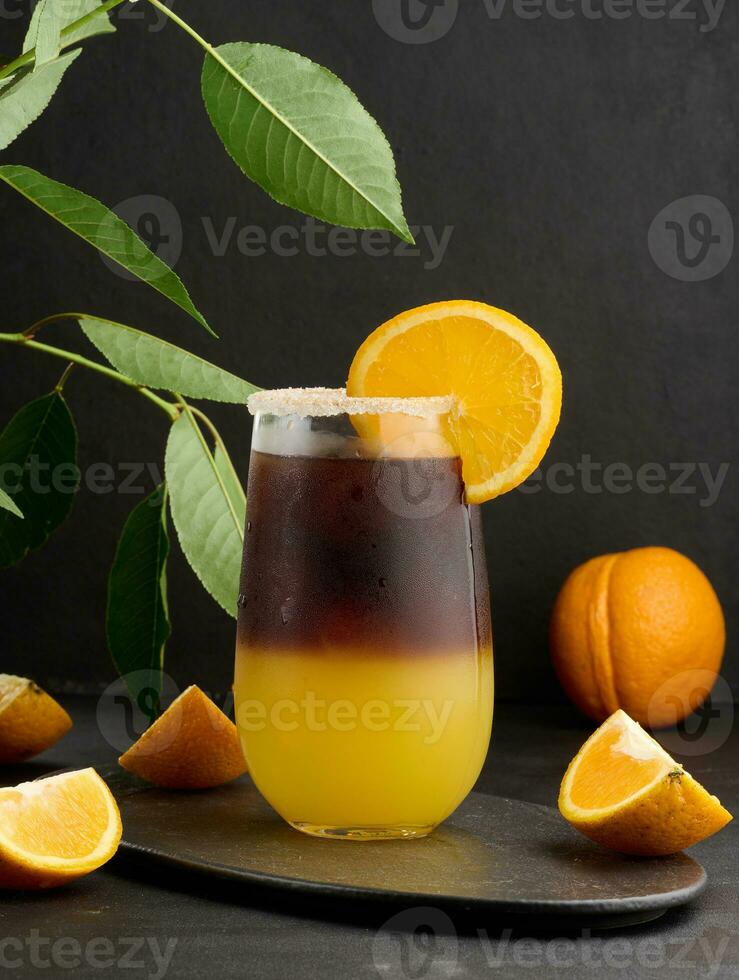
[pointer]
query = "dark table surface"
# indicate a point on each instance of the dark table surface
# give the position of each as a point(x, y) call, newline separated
point(135, 921)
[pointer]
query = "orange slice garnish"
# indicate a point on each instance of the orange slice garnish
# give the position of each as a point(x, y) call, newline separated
point(192, 745)
point(56, 829)
point(504, 378)
point(624, 791)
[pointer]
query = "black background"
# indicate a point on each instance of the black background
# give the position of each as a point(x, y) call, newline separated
point(548, 146)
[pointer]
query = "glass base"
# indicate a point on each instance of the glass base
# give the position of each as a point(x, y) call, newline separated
point(363, 833)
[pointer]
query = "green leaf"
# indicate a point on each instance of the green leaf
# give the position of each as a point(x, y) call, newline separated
point(45, 29)
point(157, 364)
point(38, 449)
point(137, 619)
point(301, 134)
point(8, 503)
point(49, 19)
point(231, 482)
point(98, 226)
point(207, 522)
point(98, 25)
point(24, 96)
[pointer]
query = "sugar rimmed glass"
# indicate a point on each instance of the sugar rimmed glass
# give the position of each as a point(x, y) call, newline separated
point(364, 680)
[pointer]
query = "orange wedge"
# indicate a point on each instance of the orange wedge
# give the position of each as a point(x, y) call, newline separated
point(56, 829)
point(192, 745)
point(505, 380)
point(30, 719)
point(624, 791)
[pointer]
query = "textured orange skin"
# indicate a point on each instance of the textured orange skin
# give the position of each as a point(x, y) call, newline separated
point(676, 813)
point(193, 745)
point(32, 722)
point(626, 626)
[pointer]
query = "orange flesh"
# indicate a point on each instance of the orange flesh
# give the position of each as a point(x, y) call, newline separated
point(63, 819)
point(505, 381)
point(501, 409)
point(607, 774)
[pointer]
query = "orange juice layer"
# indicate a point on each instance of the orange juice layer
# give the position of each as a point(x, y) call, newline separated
point(355, 738)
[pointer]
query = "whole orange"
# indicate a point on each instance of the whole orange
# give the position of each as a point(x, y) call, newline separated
point(640, 630)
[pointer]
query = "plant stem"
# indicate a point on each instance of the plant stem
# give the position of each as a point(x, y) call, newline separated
point(63, 380)
point(23, 341)
point(181, 23)
point(209, 425)
point(28, 56)
point(218, 440)
point(201, 41)
point(30, 332)
point(190, 412)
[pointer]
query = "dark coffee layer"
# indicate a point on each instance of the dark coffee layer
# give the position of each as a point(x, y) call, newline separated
point(357, 553)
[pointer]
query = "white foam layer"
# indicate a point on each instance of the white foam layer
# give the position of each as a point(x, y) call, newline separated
point(296, 438)
point(324, 402)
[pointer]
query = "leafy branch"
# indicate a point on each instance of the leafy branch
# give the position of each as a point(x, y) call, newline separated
point(27, 341)
point(70, 34)
point(302, 135)
point(203, 492)
point(95, 224)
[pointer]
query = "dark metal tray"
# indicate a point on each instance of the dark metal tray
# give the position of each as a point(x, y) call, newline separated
point(506, 859)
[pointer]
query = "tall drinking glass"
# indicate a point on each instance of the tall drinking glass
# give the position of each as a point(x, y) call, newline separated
point(364, 678)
